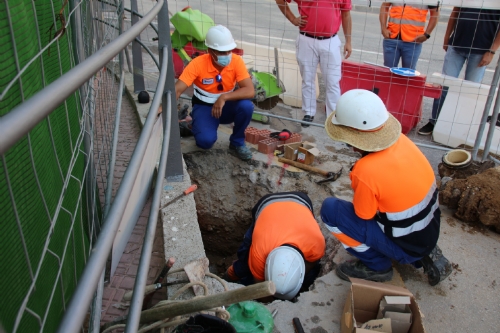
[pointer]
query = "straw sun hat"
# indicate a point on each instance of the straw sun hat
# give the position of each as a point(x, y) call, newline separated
point(362, 120)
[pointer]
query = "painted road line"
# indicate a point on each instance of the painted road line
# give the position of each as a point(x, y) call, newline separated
point(290, 40)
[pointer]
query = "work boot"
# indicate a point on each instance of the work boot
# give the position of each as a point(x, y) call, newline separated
point(436, 266)
point(427, 129)
point(308, 119)
point(242, 152)
point(357, 269)
point(440, 261)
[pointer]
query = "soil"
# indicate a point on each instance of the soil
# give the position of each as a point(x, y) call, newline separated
point(475, 198)
point(462, 173)
point(227, 191)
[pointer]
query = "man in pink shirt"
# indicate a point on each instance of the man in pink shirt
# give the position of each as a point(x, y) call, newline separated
point(318, 43)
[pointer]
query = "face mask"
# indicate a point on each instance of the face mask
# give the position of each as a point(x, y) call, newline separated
point(224, 60)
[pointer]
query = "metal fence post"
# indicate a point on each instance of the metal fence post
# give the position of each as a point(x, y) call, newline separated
point(487, 106)
point(137, 53)
point(174, 171)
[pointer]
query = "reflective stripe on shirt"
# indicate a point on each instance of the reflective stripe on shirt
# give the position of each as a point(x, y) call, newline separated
point(412, 219)
point(205, 96)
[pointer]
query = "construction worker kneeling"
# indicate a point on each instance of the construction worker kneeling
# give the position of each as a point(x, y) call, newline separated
point(284, 244)
point(395, 210)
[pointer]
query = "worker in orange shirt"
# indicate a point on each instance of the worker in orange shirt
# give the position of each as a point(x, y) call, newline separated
point(284, 244)
point(216, 100)
point(394, 214)
point(404, 31)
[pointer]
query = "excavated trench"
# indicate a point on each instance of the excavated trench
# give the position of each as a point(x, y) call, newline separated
point(227, 191)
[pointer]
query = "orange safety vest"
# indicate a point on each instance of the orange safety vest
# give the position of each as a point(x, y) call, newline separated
point(407, 21)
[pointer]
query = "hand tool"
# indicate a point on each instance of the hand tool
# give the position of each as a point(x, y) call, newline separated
point(331, 176)
point(149, 293)
point(297, 325)
point(190, 189)
point(150, 289)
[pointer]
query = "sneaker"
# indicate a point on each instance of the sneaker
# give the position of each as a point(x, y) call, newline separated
point(427, 129)
point(242, 152)
point(357, 269)
point(307, 118)
point(440, 261)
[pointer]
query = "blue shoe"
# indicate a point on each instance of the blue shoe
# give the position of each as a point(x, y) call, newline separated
point(242, 152)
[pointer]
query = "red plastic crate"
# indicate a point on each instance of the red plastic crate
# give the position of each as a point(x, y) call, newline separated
point(401, 95)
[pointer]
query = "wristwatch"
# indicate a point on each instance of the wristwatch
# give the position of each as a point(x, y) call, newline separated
point(492, 52)
point(427, 35)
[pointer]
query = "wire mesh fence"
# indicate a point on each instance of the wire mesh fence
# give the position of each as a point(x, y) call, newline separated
point(260, 27)
point(51, 180)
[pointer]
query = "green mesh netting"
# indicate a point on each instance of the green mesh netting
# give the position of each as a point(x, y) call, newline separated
point(28, 206)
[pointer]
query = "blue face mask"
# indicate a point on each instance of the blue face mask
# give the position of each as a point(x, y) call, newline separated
point(224, 60)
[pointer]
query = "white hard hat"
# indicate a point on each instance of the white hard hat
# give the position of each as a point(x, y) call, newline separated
point(286, 268)
point(220, 38)
point(360, 109)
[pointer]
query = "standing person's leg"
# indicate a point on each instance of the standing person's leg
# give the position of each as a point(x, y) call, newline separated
point(392, 52)
point(410, 52)
point(363, 239)
point(472, 71)
point(204, 126)
point(453, 63)
point(239, 112)
point(330, 62)
point(307, 59)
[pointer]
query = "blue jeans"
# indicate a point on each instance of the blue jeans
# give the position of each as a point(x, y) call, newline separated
point(205, 126)
point(395, 49)
point(339, 214)
point(453, 62)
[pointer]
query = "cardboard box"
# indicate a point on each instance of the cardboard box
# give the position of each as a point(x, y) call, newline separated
point(397, 309)
point(291, 150)
point(303, 152)
point(363, 302)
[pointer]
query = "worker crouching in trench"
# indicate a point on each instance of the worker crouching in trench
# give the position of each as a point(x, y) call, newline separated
point(284, 244)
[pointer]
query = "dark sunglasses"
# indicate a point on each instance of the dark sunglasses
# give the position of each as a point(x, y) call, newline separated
point(218, 78)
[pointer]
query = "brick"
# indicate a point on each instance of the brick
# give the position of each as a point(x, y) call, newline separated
point(263, 134)
point(295, 137)
point(126, 258)
point(135, 238)
point(108, 293)
point(132, 270)
point(119, 295)
point(127, 283)
point(153, 273)
point(268, 146)
point(116, 281)
point(115, 311)
point(120, 271)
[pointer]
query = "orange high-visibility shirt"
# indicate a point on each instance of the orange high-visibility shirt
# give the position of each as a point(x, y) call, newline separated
point(284, 223)
point(407, 21)
point(202, 73)
point(391, 180)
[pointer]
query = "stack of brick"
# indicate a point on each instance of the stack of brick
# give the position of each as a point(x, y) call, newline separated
point(266, 144)
point(252, 135)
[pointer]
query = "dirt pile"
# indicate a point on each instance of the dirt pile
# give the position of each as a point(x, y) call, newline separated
point(228, 189)
point(475, 198)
